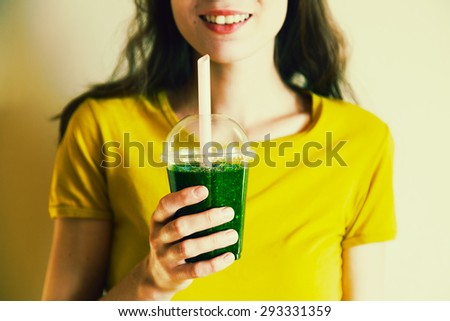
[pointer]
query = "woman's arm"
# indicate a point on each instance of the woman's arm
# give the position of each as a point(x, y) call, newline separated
point(362, 272)
point(78, 259)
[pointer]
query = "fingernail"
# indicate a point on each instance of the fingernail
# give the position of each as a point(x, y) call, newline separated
point(228, 258)
point(200, 191)
point(228, 213)
point(232, 235)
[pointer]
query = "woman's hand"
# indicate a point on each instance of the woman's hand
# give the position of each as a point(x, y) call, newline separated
point(166, 264)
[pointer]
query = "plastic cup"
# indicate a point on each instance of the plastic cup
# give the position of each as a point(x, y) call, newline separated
point(219, 165)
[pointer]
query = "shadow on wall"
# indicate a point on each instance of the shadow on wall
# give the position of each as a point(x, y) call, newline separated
point(28, 144)
point(46, 58)
point(25, 229)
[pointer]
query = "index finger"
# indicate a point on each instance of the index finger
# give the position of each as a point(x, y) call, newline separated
point(172, 202)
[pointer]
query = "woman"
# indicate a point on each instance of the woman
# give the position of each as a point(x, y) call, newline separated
point(114, 237)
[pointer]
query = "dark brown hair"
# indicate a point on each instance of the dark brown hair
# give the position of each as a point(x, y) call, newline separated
point(158, 58)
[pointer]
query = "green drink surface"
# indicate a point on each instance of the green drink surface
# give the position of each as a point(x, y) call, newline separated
point(227, 185)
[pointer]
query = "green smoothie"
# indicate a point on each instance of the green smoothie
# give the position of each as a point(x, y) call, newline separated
point(227, 185)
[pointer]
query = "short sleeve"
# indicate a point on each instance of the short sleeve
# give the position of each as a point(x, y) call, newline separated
point(78, 187)
point(374, 219)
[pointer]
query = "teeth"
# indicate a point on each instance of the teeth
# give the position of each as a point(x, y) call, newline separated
point(230, 20)
point(222, 20)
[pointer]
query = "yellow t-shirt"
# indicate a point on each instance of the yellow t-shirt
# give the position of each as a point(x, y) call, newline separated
point(299, 214)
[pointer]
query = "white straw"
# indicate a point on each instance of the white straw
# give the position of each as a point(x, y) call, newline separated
point(204, 100)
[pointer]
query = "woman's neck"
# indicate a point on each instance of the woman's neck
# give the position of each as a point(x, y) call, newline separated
point(249, 91)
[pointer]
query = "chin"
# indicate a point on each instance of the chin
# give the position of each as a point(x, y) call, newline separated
point(229, 55)
point(226, 59)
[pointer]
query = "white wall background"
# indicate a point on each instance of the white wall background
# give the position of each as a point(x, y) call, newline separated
point(400, 51)
point(400, 69)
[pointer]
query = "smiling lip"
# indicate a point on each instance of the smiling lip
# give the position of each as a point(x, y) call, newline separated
point(228, 21)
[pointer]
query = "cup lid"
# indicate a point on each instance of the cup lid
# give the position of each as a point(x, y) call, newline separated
point(224, 142)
